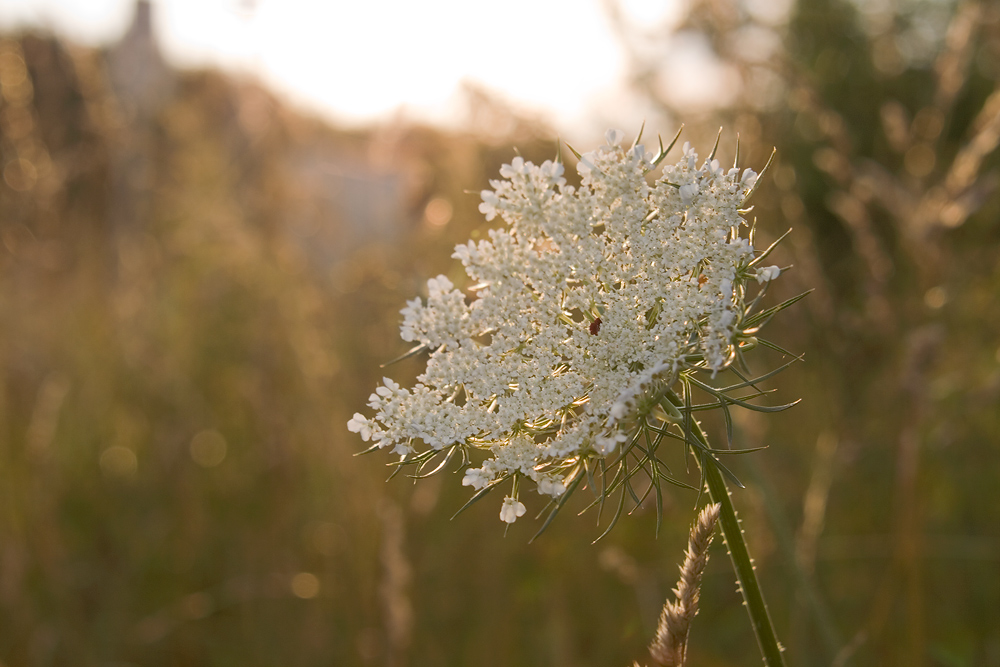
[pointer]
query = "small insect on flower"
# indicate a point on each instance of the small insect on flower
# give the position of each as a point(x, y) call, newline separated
point(595, 326)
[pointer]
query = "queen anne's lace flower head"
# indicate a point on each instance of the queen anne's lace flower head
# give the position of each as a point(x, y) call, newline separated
point(588, 303)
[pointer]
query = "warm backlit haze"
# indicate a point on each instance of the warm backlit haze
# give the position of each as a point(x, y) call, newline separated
point(203, 262)
point(357, 62)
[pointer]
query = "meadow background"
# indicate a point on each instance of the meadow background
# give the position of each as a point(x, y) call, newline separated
point(198, 284)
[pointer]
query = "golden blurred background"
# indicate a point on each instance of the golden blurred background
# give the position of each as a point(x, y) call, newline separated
point(198, 283)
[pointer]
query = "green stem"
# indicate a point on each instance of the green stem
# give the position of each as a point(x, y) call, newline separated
point(742, 563)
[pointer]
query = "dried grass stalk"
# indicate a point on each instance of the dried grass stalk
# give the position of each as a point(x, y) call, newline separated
point(670, 646)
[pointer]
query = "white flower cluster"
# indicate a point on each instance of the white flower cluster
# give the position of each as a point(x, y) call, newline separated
point(590, 301)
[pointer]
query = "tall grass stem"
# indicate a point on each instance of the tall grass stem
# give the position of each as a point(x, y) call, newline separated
point(753, 597)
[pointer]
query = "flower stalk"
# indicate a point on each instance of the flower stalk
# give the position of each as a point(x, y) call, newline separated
point(743, 565)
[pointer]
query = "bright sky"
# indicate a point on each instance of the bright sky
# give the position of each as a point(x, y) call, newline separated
point(357, 61)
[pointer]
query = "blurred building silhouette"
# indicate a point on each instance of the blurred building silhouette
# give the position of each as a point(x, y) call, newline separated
point(142, 84)
point(141, 79)
point(339, 201)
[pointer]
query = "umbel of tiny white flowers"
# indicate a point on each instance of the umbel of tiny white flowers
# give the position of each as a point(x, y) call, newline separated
point(588, 303)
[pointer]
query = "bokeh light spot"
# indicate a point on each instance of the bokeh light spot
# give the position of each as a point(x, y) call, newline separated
point(936, 297)
point(208, 448)
point(305, 585)
point(438, 212)
point(118, 461)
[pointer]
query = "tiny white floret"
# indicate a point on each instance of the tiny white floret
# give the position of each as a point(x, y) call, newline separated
point(489, 205)
point(477, 478)
point(360, 425)
point(767, 274)
point(548, 486)
point(511, 510)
